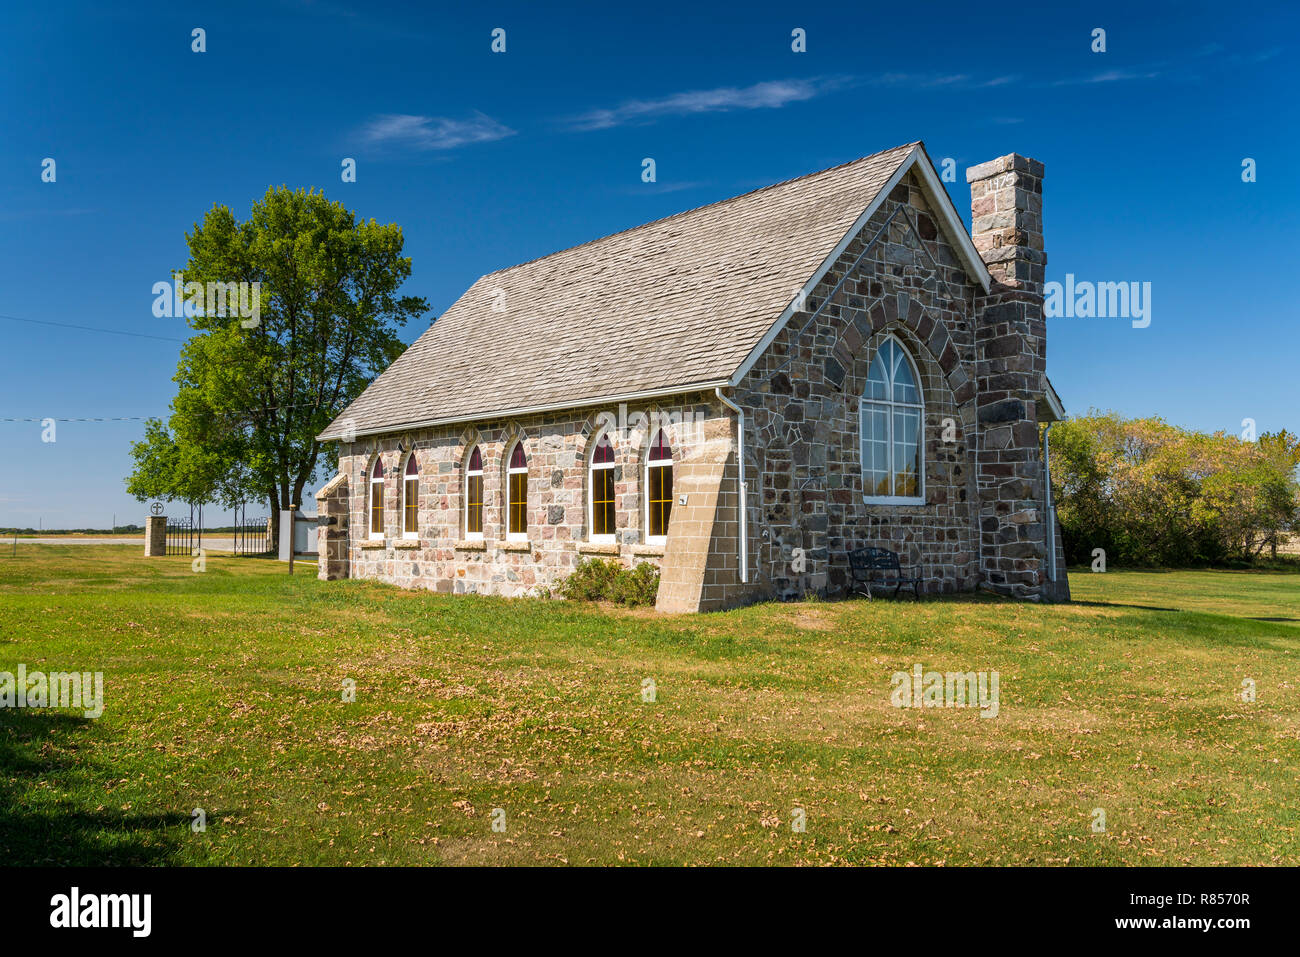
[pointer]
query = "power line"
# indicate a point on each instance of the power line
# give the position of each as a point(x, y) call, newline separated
point(98, 418)
point(111, 332)
point(143, 418)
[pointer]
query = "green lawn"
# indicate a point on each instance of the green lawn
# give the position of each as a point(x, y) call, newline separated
point(223, 692)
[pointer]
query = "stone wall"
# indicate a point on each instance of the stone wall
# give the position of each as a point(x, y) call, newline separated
point(444, 558)
point(803, 399)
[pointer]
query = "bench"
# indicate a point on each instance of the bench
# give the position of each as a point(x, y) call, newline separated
point(866, 563)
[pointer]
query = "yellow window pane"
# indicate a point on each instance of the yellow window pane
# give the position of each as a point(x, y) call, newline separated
point(518, 523)
point(474, 505)
point(660, 493)
point(376, 507)
point(602, 501)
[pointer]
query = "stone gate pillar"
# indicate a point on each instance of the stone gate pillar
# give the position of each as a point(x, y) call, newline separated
point(155, 536)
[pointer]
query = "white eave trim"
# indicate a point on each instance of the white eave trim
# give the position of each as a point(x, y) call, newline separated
point(1054, 403)
point(942, 204)
point(706, 386)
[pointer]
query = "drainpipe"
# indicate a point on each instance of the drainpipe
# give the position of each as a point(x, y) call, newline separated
point(1049, 517)
point(744, 504)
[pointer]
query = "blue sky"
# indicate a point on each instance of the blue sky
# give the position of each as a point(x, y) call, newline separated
point(489, 159)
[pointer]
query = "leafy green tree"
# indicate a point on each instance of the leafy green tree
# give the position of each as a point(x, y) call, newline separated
point(1150, 493)
point(253, 393)
point(185, 471)
point(1283, 448)
point(1081, 453)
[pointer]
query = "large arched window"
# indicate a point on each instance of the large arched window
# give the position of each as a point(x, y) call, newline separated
point(601, 491)
point(411, 498)
point(890, 422)
point(517, 494)
point(474, 495)
point(659, 487)
point(377, 499)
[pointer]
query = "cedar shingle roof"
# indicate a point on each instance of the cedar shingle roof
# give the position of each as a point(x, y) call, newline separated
point(676, 302)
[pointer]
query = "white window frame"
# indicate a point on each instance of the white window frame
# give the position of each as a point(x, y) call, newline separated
point(472, 473)
point(402, 512)
point(592, 469)
point(649, 464)
point(889, 406)
point(510, 470)
point(371, 482)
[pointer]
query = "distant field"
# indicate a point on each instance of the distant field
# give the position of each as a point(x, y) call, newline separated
point(223, 692)
point(211, 541)
point(72, 536)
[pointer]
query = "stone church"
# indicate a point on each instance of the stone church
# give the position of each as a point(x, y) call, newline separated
point(739, 394)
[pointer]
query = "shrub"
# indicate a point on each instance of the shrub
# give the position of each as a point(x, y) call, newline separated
point(639, 586)
point(590, 581)
point(1153, 494)
point(596, 579)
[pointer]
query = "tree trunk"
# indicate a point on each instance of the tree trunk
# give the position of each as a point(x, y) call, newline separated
point(274, 543)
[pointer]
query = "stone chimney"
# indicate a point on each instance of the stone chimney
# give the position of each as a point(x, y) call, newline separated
point(1006, 203)
point(1010, 362)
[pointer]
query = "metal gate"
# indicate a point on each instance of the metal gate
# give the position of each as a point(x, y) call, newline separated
point(184, 535)
point(252, 535)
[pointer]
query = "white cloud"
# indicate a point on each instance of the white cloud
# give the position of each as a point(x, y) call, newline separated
point(948, 79)
point(772, 95)
point(1111, 76)
point(645, 189)
point(939, 81)
point(404, 131)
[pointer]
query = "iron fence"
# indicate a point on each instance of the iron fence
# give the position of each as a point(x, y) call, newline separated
point(184, 535)
point(252, 535)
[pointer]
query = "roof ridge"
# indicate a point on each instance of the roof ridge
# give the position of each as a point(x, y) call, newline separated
point(696, 209)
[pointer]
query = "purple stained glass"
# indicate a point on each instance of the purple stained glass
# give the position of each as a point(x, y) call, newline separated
point(517, 458)
point(378, 470)
point(604, 452)
point(411, 467)
point(475, 461)
point(660, 449)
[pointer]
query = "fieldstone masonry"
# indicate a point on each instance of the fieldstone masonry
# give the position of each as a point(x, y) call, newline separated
point(898, 278)
point(1007, 228)
point(444, 558)
point(332, 530)
point(980, 358)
